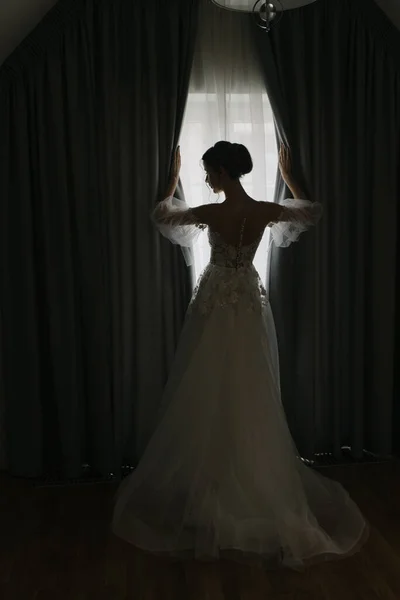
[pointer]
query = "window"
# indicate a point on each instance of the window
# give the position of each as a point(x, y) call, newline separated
point(202, 128)
point(227, 101)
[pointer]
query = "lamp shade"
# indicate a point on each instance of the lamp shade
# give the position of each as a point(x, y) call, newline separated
point(247, 5)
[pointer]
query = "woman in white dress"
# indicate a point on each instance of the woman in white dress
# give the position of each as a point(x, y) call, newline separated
point(221, 475)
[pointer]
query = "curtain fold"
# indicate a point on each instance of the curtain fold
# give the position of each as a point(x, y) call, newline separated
point(332, 71)
point(92, 299)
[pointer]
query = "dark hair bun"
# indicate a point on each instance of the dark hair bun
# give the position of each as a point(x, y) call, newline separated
point(244, 160)
point(234, 158)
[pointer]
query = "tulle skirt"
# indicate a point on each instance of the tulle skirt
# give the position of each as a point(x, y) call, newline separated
point(221, 476)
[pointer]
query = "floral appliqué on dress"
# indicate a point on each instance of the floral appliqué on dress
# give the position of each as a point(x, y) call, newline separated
point(229, 279)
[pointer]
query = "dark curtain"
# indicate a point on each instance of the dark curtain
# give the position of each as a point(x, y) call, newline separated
point(92, 298)
point(332, 72)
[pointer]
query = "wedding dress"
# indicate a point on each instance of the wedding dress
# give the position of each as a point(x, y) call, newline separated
point(221, 475)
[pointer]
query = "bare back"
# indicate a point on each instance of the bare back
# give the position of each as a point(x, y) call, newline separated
point(228, 220)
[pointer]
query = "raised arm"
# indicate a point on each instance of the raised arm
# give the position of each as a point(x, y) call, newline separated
point(292, 216)
point(175, 220)
point(174, 175)
point(173, 212)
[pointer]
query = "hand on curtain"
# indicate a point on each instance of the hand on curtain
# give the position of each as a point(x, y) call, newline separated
point(174, 174)
point(174, 218)
point(285, 167)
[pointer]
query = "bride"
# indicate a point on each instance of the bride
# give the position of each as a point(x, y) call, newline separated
point(221, 476)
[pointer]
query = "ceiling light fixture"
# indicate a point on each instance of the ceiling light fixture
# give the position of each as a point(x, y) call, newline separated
point(264, 12)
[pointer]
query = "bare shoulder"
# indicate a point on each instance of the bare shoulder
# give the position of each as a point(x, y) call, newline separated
point(269, 211)
point(213, 214)
point(206, 213)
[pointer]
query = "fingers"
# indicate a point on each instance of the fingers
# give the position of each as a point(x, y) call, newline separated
point(178, 155)
point(284, 154)
point(284, 150)
point(176, 164)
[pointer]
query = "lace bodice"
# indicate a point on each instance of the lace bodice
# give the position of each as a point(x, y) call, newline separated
point(182, 225)
point(227, 255)
point(230, 280)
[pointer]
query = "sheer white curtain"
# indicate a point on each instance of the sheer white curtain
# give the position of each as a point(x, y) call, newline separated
point(227, 101)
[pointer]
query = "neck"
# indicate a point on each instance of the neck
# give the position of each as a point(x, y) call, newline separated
point(234, 192)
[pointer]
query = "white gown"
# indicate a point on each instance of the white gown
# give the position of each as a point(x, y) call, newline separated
point(221, 476)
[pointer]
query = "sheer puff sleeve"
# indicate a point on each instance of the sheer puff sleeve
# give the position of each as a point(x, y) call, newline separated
point(296, 217)
point(179, 223)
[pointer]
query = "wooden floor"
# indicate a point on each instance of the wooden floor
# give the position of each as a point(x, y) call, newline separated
point(55, 545)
